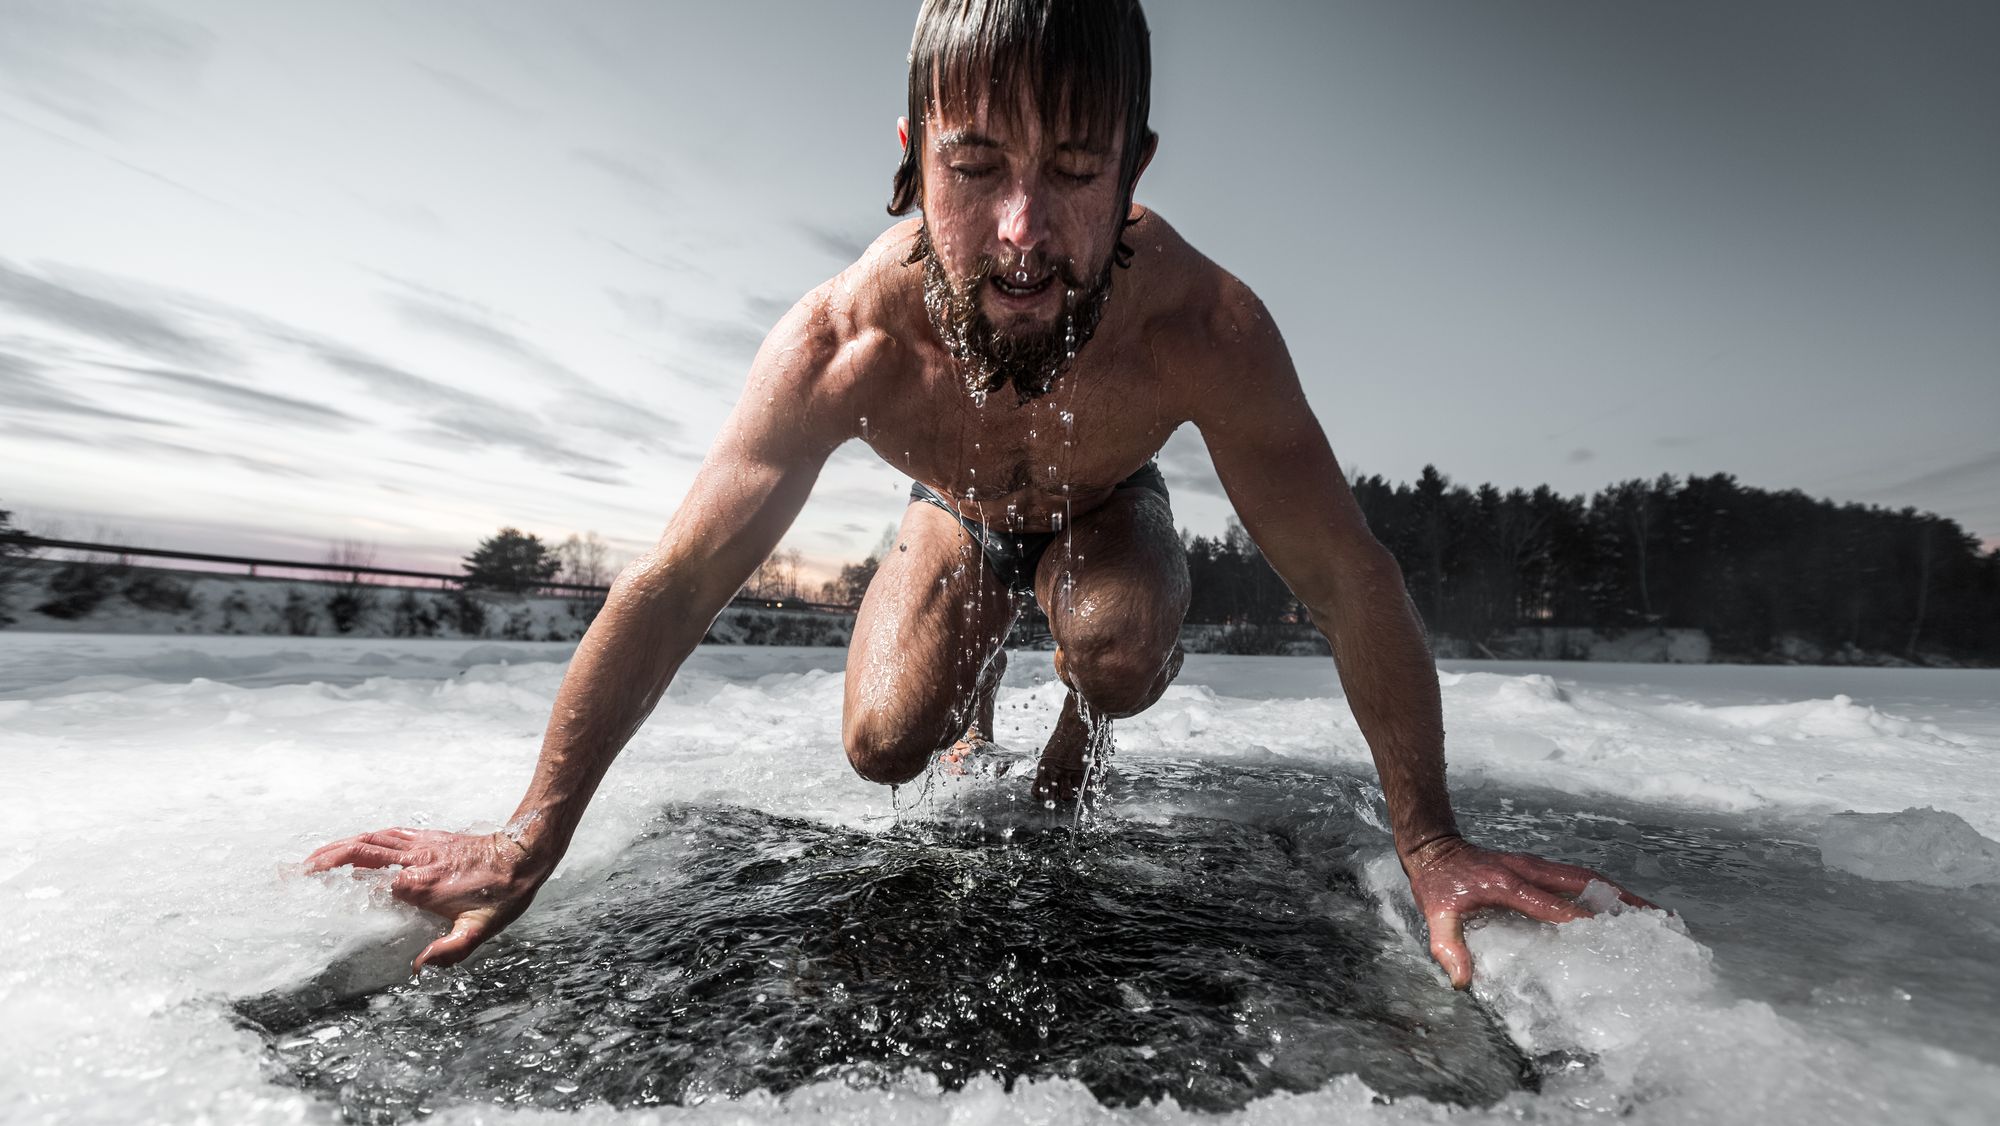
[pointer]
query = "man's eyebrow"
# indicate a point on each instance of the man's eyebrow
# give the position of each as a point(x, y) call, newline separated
point(965, 138)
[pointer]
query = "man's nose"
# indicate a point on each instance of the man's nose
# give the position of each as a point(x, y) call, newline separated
point(1024, 220)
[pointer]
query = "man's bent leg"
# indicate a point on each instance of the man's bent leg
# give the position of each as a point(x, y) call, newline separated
point(1116, 592)
point(926, 656)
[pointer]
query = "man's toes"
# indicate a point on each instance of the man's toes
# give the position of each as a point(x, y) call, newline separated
point(1058, 783)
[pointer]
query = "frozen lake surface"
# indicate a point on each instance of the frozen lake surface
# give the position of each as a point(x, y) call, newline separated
point(745, 931)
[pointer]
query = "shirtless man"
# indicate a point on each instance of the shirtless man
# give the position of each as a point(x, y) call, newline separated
point(1021, 352)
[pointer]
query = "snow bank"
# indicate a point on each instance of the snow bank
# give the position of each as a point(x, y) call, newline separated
point(1922, 845)
point(121, 599)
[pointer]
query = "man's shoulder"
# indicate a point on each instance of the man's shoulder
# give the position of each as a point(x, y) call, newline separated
point(1178, 277)
point(851, 320)
point(1188, 290)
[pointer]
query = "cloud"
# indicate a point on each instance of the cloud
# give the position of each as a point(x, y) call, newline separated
point(227, 457)
point(404, 213)
point(658, 259)
point(732, 341)
point(768, 311)
point(451, 414)
point(127, 443)
point(578, 401)
point(1580, 455)
point(626, 171)
point(81, 62)
point(467, 323)
point(147, 331)
point(642, 311)
point(263, 405)
point(23, 387)
point(473, 92)
point(1185, 464)
point(1981, 470)
point(839, 244)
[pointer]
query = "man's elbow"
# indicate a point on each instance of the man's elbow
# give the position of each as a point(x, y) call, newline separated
point(656, 597)
point(1367, 580)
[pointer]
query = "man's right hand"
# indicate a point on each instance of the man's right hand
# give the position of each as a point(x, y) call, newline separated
point(477, 882)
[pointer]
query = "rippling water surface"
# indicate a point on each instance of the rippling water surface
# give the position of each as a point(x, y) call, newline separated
point(1206, 958)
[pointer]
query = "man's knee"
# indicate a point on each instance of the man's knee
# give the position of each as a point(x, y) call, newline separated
point(1118, 679)
point(885, 752)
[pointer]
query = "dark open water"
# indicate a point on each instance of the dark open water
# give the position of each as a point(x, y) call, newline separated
point(1207, 936)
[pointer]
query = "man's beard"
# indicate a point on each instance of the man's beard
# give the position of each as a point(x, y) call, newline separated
point(991, 359)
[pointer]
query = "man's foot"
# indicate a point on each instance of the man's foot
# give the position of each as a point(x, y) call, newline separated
point(1075, 747)
point(1059, 782)
point(962, 757)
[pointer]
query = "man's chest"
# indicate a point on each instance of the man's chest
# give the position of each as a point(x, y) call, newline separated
point(1091, 431)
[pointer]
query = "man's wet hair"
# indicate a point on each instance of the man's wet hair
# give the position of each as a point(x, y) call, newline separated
point(1087, 64)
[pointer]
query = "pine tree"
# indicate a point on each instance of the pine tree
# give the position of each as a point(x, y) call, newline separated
point(510, 560)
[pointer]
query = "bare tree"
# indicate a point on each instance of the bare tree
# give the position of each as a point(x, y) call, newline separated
point(14, 556)
point(352, 554)
point(585, 559)
point(777, 576)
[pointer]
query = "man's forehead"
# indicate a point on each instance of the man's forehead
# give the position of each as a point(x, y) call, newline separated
point(979, 137)
point(994, 120)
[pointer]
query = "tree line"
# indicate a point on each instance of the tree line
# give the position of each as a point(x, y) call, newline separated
point(1748, 566)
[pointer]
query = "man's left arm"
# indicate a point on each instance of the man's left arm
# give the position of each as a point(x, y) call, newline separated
point(1280, 473)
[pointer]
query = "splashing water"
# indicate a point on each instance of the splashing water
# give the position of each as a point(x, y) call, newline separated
point(729, 951)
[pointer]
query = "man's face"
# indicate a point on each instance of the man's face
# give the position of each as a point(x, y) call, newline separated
point(1022, 223)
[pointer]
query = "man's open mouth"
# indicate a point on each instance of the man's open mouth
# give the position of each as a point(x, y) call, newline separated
point(1019, 284)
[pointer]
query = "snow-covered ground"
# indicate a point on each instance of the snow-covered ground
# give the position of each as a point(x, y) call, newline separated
point(152, 600)
point(1825, 965)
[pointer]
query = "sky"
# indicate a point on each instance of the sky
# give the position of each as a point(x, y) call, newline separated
point(279, 276)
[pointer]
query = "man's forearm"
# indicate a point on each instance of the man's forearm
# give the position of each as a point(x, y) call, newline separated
point(1391, 683)
point(649, 624)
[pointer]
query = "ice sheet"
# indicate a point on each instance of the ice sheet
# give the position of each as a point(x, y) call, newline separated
point(150, 879)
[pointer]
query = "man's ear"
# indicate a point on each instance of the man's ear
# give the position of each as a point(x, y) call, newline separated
point(903, 133)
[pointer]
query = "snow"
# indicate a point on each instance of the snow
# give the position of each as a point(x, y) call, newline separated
point(163, 789)
point(1923, 845)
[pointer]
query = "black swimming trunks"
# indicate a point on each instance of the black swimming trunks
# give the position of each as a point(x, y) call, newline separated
point(1015, 555)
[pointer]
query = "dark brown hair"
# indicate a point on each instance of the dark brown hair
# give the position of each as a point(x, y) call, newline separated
point(1087, 63)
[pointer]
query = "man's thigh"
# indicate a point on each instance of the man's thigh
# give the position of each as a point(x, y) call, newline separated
point(929, 626)
point(1115, 587)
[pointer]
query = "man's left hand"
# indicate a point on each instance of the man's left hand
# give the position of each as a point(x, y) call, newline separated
point(1452, 878)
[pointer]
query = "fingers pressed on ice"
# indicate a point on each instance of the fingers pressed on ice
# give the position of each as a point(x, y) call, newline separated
point(354, 852)
point(1569, 879)
point(1449, 949)
point(1546, 906)
point(412, 886)
point(466, 933)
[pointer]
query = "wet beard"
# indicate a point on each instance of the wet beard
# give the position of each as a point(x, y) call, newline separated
point(990, 359)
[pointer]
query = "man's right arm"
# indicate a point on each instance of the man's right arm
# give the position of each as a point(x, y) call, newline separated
point(792, 415)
